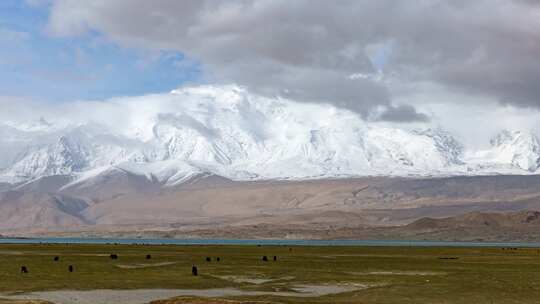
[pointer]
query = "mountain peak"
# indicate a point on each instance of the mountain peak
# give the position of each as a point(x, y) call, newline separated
point(228, 131)
point(520, 148)
point(445, 143)
point(506, 137)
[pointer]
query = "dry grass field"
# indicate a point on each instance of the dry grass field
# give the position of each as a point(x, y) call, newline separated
point(301, 274)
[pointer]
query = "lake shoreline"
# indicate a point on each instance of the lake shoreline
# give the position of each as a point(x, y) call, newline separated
point(265, 242)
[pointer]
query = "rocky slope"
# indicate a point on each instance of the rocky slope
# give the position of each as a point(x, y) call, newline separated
point(123, 201)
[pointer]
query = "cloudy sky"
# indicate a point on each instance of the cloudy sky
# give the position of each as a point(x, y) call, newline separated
point(471, 67)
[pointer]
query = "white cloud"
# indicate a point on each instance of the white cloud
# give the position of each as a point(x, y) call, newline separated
point(473, 124)
point(310, 48)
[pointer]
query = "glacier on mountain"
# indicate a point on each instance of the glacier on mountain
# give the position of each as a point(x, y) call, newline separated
point(510, 149)
point(229, 132)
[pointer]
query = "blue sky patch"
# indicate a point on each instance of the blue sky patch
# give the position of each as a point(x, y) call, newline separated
point(37, 65)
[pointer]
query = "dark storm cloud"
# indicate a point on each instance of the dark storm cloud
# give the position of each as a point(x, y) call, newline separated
point(402, 113)
point(308, 49)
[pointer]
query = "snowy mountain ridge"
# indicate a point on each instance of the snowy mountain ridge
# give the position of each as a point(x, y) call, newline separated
point(229, 132)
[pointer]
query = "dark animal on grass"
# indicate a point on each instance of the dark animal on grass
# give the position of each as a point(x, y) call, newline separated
point(148, 257)
point(114, 257)
point(24, 269)
point(194, 271)
point(208, 259)
point(70, 268)
point(275, 258)
point(218, 259)
point(56, 259)
point(265, 258)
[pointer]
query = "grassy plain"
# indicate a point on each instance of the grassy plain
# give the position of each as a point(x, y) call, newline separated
point(382, 274)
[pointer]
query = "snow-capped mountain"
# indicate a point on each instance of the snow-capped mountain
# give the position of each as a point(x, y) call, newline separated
point(514, 149)
point(521, 149)
point(229, 132)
